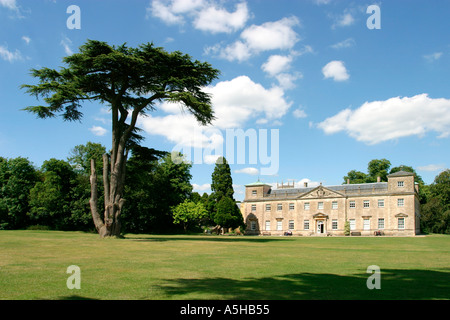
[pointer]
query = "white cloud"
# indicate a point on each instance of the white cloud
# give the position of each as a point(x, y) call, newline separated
point(201, 187)
point(98, 131)
point(205, 15)
point(216, 20)
point(344, 20)
point(432, 167)
point(26, 39)
point(347, 43)
point(10, 56)
point(277, 64)
point(250, 171)
point(433, 56)
point(299, 113)
point(277, 35)
point(336, 70)
point(66, 43)
point(272, 35)
point(10, 4)
point(395, 118)
point(235, 102)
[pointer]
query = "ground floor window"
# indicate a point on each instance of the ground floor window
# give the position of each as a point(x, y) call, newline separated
point(352, 224)
point(381, 223)
point(401, 223)
point(366, 225)
point(279, 225)
point(291, 225)
point(268, 225)
point(306, 224)
point(253, 225)
point(334, 224)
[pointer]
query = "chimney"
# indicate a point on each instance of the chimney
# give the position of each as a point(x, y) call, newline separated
point(378, 179)
point(305, 184)
point(348, 181)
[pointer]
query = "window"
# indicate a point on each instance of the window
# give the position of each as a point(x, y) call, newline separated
point(253, 225)
point(291, 225)
point(400, 202)
point(400, 184)
point(352, 204)
point(320, 206)
point(268, 207)
point(366, 224)
point(306, 206)
point(380, 203)
point(306, 224)
point(279, 206)
point(253, 207)
point(291, 206)
point(352, 224)
point(381, 223)
point(267, 225)
point(253, 192)
point(366, 204)
point(334, 205)
point(401, 223)
point(334, 224)
point(279, 225)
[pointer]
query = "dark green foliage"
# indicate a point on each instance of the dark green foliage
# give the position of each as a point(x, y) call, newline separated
point(436, 211)
point(17, 177)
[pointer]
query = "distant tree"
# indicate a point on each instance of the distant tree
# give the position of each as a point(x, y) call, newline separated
point(355, 177)
point(189, 213)
point(17, 177)
point(435, 213)
point(130, 81)
point(80, 157)
point(50, 198)
point(378, 168)
point(221, 204)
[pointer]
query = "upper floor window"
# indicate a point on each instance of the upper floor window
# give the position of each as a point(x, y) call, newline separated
point(380, 203)
point(253, 192)
point(268, 207)
point(279, 206)
point(400, 202)
point(352, 204)
point(291, 206)
point(366, 204)
point(320, 205)
point(400, 184)
point(334, 205)
point(253, 207)
point(306, 206)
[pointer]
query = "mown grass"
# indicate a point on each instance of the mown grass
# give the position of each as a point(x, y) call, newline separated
point(33, 265)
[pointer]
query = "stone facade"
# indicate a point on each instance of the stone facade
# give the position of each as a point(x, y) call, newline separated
point(391, 208)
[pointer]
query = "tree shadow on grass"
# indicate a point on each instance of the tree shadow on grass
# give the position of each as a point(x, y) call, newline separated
point(396, 284)
point(75, 297)
point(209, 238)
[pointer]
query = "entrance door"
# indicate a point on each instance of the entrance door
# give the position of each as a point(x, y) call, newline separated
point(320, 226)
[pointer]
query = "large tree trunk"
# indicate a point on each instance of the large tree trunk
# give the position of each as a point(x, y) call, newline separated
point(113, 186)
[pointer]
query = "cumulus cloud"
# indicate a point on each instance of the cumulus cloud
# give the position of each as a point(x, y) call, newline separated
point(235, 102)
point(10, 4)
point(335, 70)
point(433, 56)
point(391, 119)
point(274, 35)
point(299, 113)
point(347, 43)
point(10, 56)
point(250, 171)
point(98, 131)
point(208, 16)
point(201, 187)
point(344, 20)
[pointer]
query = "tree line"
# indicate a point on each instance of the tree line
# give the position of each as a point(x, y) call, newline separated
point(56, 195)
point(434, 198)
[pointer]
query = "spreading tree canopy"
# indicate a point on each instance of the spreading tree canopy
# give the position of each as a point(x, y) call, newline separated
point(130, 81)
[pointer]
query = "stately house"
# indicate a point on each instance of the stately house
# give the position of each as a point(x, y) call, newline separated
point(389, 208)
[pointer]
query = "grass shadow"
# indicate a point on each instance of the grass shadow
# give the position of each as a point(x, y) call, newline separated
point(396, 284)
point(213, 238)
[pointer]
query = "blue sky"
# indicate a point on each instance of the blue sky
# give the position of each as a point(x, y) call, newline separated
point(336, 93)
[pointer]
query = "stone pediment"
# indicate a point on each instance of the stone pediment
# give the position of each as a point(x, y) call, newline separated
point(321, 192)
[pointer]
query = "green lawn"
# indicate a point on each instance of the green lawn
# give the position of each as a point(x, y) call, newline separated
point(33, 265)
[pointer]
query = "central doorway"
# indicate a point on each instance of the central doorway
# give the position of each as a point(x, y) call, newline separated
point(320, 226)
